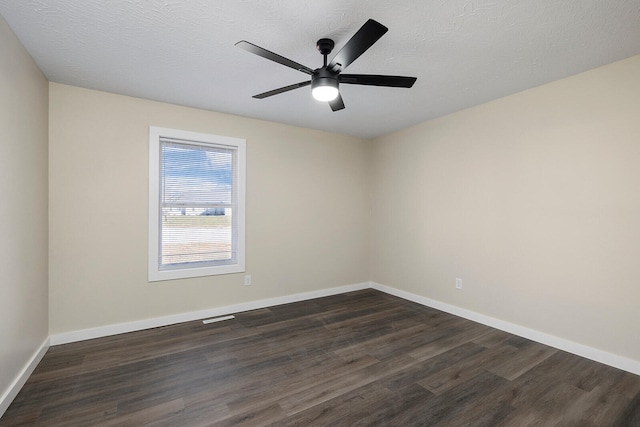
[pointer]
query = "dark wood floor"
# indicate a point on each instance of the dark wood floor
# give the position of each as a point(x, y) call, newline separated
point(363, 358)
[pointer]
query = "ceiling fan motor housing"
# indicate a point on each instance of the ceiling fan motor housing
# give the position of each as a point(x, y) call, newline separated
point(325, 46)
point(324, 77)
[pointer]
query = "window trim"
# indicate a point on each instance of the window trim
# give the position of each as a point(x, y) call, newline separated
point(155, 135)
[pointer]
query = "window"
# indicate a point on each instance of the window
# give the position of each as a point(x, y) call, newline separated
point(196, 204)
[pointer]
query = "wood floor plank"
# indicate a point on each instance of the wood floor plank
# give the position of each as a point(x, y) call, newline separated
point(631, 414)
point(360, 358)
point(149, 414)
point(550, 409)
point(256, 417)
point(440, 409)
point(419, 370)
point(315, 387)
point(319, 392)
point(450, 338)
point(445, 379)
point(346, 410)
point(524, 359)
point(400, 409)
point(597, 407)
point(493, 338)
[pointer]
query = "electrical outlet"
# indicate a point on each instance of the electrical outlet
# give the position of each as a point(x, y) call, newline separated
point(247, 280)
point(458, 283)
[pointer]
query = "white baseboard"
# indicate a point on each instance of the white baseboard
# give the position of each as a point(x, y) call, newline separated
point(12, 391)
point(121, 328)
point(582, 350)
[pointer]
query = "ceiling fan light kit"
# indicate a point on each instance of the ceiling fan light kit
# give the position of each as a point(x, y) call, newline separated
point(324, 86)
point(325, 81)
point(324, 91)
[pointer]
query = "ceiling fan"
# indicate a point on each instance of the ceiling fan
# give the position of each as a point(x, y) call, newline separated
point(326, 80)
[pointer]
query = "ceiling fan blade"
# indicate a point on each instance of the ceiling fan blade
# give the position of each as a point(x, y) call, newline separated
point(362, 40)
point(377, 80)
point(282, 90)
point(250, 47)
point(337, 104)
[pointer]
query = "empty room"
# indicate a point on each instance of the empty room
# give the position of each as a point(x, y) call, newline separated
point(319, 213)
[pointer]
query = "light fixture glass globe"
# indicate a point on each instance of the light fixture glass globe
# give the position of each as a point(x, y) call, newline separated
point(325, 93)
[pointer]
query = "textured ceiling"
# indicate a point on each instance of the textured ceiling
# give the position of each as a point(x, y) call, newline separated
point(463, 52)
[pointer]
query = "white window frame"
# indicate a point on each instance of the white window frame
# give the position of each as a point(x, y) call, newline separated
point(155, 136)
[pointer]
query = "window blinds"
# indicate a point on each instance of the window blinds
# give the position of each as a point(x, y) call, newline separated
point(198, 198)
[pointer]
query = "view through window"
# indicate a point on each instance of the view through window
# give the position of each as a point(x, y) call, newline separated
point(200, 204)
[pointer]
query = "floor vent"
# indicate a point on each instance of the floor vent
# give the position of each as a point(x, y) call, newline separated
point(218, 319)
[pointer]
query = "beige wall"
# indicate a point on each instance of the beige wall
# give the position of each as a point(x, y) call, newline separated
point(23, 216)
point(307, 204)
point(533, 200)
